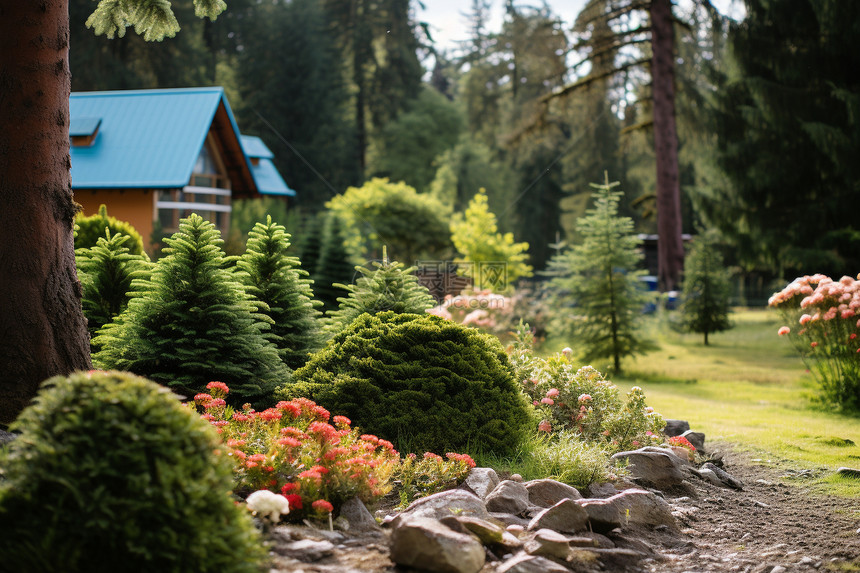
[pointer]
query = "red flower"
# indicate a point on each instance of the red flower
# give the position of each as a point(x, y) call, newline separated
point(270, 415)
point(219, 386)
point(341, 421)
point(288, 487)
point(322, 505)
point(295, 500)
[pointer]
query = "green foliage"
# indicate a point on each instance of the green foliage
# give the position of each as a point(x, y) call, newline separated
point(705, 297)
point(327, 259)
point(277, 279)
point(788, 132)
point(248, 212)
point(112, 473)
point(596, 286)
point(88, 231)
point(381, 213)
point(388, 287)
point(475, 236)
point(431, 474)
point(406, 148)
point(106, 272)
point(192, 322)
point(421, 380)
point(152, 19)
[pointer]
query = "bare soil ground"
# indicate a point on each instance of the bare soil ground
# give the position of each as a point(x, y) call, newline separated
point(773, 525)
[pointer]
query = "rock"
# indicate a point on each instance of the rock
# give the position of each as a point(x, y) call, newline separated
point(849, 472)
point(516, 477)
point(683, 453)
point(548, 492)
point(508, 497)
point(566, 517)
point(778, 569)
point(548, 543)
point(307, 550)
point(359, 518)
point(710, 477)
point(676, 427)
point(617, 559)
point(591, 539)
point(724, 476)
point(658, 469)
point(695, 438)
point(515, 529)
point(526, 563)
point(605, 489)
point(442, 504)
point(482, 481)
point(632, 506)
point(427, 544)
point(508, 520)
point(6, 437)
point(489, 533)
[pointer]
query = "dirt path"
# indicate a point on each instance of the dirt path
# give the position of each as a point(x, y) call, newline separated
point(773, 522)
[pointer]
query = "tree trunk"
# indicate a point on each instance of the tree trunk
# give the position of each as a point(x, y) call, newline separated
point(670, 248)
point(42, 329)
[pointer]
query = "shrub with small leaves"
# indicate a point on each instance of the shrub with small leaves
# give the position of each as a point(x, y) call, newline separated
point(420, 477)
point(112, 473)
point(424, 382)
point(88, 231)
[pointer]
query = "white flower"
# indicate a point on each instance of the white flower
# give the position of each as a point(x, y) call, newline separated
point(567, 351)
point(267, 504)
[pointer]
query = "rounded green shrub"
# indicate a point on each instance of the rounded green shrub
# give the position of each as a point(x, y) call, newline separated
point(421, 381)
point(88, 231)
point(111, 473)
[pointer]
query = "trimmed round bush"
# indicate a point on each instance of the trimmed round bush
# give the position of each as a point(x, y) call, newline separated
point(423, 382)
point(88, 231)
point(112, 473)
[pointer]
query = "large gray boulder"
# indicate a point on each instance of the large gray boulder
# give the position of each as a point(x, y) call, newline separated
point(566, 517)
point(359, 518)
point(695, 438)
point(451, 502)
point(548, 492)
point(653, 467)
point(526, 563)
point(630, 507)
point(482, 481)
point(428, 545)
point(508, 497)
point(675, 427)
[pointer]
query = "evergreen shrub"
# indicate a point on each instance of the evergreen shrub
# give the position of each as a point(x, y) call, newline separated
point(112, 473)
point(88, 231)
point(419, 380)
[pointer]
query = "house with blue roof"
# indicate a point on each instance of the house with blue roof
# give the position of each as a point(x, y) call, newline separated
point(154, 157)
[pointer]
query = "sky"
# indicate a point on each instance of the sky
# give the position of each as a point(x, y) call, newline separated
point(448, 24)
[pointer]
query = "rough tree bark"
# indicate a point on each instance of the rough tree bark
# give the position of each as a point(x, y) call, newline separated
point(670, 247)
point(42, 329)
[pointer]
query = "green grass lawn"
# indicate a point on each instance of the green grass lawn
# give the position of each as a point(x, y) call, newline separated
point(748, 387)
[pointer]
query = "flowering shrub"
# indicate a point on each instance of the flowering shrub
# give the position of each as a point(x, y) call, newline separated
point(431, 473)
point(484, 309)
point(292, 449)
point(823, 319)
point(682, 442)
point(583, 401)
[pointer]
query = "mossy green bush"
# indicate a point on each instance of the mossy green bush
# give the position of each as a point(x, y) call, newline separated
point(421, 381)
point(111, 473)
point(88, 231)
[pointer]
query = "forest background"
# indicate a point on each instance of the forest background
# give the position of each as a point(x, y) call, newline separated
point(767, 112)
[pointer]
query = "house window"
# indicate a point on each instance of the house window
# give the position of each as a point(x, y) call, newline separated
point(207, 194)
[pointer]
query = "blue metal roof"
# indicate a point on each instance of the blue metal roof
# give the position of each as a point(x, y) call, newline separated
point(266, 176)
point(152, 138)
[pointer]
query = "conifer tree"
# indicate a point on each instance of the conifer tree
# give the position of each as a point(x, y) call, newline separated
point(597, 281)
point(475, 236)
point(333, 265)
point(277, 279)
point(106, 271)
point(192, 322)
point(389, 286)
point(705, 297)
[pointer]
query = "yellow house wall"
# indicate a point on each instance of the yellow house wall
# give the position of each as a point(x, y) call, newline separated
point(136, 206)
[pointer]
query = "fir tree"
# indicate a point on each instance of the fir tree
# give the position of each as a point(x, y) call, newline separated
point(333, 265)
point(705, 298)
point(106, 271)
point(598, 282)
point(389, 286)
point(277, 279)
point(192, 322)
